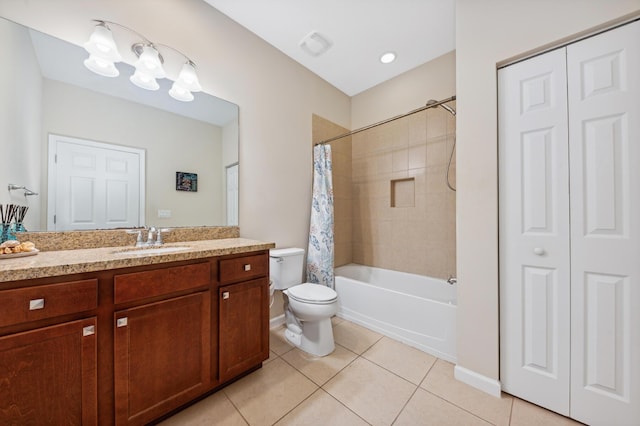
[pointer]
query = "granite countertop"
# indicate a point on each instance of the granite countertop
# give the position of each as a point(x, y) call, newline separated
point(64, 262)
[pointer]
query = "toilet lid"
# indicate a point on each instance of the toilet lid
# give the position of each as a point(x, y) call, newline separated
point(312, 293)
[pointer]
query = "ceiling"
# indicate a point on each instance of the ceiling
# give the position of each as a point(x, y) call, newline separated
point(359, 32)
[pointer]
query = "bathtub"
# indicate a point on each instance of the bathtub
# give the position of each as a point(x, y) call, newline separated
point(417, 310)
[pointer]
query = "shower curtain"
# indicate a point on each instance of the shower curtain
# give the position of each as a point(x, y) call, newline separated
point(320, 252)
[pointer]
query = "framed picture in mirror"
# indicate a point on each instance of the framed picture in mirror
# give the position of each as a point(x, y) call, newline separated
point(186, 181)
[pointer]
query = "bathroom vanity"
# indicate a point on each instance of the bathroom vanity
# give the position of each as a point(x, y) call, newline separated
point(112, 336)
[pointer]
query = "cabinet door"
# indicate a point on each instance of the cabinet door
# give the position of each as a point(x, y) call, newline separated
point(534, 231)
point(244, 326)
point(604, 120)
point(48, 375)
point(162, 356)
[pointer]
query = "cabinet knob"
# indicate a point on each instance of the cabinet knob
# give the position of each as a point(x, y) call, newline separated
point(225, 295)
point(247, 267)
point(36, 304)
point(539, 251)
point(122, 322)
point(89, 330)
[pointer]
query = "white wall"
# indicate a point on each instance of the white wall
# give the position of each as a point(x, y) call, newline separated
point(172, 143)
point(489, 32)
point(20, 91)
point(276, 96)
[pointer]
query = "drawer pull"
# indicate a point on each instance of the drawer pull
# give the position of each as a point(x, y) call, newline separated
point(36, 304)
point(89, 330)
point(225, 295)
point(122, 322)
point(247, 267)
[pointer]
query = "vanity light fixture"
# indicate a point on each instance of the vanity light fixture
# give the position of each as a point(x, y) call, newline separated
point(388, 57)
point(103, 54)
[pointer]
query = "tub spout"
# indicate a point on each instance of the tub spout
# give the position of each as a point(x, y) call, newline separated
point(452, 280)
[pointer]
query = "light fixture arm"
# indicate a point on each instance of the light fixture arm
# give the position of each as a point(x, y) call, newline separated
point(105, 22)
point(189, 61)
point(145, 40)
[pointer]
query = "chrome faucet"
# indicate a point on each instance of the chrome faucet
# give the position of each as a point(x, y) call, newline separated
point(151, 233)
point(452, 280)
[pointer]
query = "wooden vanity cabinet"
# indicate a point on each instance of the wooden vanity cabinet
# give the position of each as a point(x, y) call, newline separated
point(243, 314)
point(48, 369)
point(162, 349)
point(129, 346)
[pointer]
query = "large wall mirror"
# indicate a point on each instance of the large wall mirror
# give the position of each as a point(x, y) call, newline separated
point(47, 96)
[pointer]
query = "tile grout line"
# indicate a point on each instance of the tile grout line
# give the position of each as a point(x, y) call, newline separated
point(341, 403)
point(414, 392)
point(224, 390)
point(459, 407)
point(319, 387)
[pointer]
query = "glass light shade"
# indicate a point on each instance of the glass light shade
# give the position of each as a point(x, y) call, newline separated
point(179, 93)
point(149, 62)
point(101, 66)
point(188, 79)
point(102, 45)
point(144, 80)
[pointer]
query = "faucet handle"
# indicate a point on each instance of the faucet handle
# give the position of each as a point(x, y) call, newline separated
point(139, 241)
point(159, 233)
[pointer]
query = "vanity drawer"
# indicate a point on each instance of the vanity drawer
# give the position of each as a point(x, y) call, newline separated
point(158, 282)
point(243, 268)
point(47, 301)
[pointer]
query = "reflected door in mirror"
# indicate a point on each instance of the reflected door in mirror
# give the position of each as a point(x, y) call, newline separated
point(98, 186)
point(232, 195)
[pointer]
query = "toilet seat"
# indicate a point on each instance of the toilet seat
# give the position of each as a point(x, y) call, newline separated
point(312, 293)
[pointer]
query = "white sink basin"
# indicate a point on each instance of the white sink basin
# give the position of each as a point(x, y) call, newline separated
point(147, 251)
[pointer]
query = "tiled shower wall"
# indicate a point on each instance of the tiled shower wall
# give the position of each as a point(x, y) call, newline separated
point(403, 213)
point(393, 209)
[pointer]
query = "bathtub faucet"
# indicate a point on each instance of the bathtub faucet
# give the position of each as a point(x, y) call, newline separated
point(452, 280)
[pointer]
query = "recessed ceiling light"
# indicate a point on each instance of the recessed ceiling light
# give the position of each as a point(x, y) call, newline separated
point(388, 57)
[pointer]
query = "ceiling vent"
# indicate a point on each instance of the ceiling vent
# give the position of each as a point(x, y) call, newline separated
point(315, 44)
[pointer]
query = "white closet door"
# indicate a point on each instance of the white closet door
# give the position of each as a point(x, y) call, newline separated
point(604, 120)
point(534, 231)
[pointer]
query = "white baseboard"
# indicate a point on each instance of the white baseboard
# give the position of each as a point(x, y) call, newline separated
point(478, 381)
point(276, 321)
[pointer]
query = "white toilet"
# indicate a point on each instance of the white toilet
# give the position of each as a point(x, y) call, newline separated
point(308, 307)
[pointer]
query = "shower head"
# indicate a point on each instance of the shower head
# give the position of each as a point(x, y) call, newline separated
point(447, 107)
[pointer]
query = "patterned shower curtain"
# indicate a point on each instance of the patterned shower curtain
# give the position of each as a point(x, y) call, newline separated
point(320, 253)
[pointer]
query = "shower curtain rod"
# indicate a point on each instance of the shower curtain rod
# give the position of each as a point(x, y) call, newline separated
point(388, 120)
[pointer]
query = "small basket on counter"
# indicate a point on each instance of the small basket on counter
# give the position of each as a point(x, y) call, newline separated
point(12, 216)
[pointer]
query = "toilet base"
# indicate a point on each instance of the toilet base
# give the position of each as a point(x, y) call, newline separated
point(316, 337)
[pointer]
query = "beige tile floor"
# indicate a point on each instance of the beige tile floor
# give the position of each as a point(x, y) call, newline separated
point(368, 380)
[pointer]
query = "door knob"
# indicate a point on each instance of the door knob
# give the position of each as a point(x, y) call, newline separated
point(539, 251)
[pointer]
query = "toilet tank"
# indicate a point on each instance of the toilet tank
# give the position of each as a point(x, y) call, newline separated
point(285, 267)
